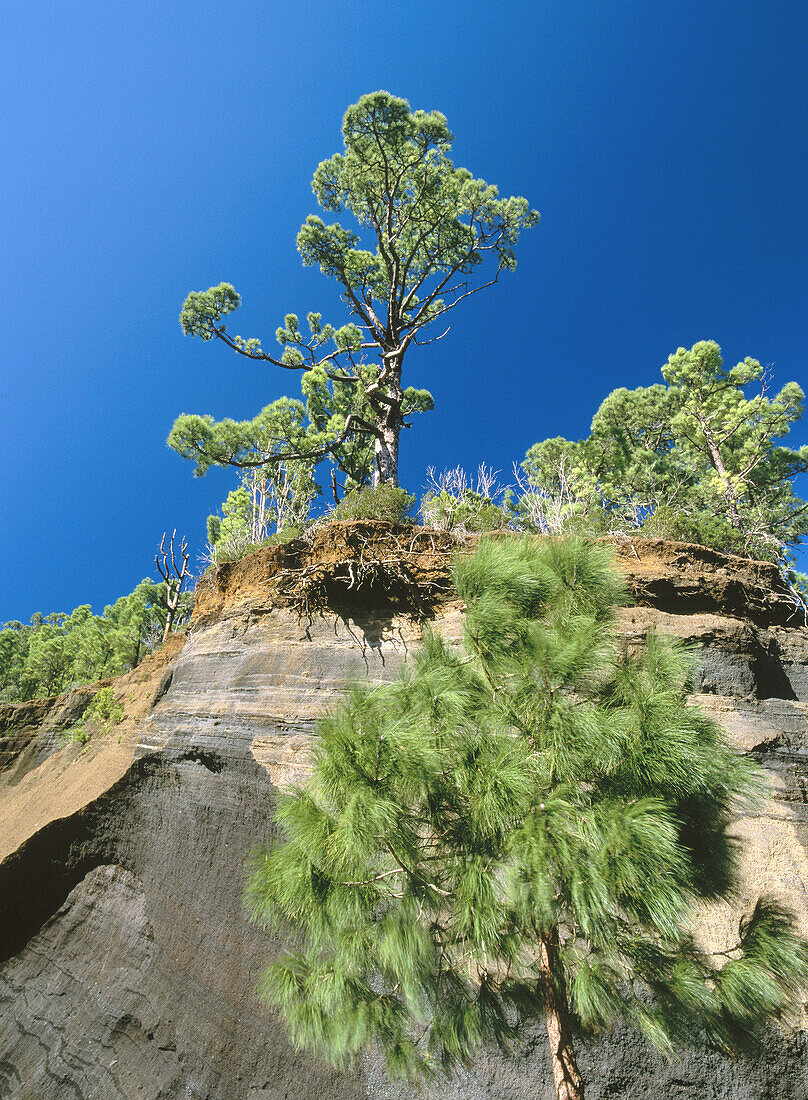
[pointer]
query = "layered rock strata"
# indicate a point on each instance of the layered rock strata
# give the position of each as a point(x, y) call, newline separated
point(128, 967)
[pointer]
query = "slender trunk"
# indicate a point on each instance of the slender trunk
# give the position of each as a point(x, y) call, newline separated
point(255, 535)
point(262, 509)
point(568, 1083)
point(172, 599)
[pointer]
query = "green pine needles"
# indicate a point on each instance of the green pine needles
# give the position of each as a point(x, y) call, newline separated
point(516, 828)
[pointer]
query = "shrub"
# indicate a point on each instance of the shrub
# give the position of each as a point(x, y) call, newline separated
point(703, 528)
point(385, 501)
point(454, 502)
point(469, 512)
point(100, 716)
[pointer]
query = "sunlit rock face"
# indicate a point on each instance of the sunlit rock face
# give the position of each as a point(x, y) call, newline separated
point(128, 967)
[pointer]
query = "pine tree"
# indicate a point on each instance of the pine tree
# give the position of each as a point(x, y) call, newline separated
point(516, 828)
point(430, 236)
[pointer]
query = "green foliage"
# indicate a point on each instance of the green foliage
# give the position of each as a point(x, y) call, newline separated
point(203, 309)
point(385, 501)
point(539, 788)
point(426, 229)
point(56, 652)
point(100, 716)
point(558, 492)
point(276, 494)
point(696, 459)
point(236, 513)
point(729, 438)
point(103, 707)
point(703, 528)
point(444, 218)
point(258, 446)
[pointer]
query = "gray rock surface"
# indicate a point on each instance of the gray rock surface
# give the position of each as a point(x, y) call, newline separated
point(128, 968)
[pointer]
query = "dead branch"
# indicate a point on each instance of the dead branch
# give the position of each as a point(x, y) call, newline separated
point(173, 576)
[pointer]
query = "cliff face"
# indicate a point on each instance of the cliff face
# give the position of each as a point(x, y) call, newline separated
point(128, 969)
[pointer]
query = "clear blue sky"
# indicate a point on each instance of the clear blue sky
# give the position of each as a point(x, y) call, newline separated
point(150, 149)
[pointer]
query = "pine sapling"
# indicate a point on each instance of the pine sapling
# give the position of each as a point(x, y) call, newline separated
point(518, 828)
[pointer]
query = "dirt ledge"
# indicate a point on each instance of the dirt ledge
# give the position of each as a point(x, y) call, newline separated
point(371, 563)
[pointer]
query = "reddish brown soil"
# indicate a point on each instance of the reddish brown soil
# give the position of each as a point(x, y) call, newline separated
point(371, 560)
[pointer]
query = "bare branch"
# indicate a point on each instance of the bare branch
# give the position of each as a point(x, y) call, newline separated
point(173, 576)
point(433, 340)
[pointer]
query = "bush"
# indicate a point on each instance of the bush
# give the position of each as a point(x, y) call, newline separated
point(100, 716)
point(469, 512)
point(457, 502)
point(385, 501)
point(703, 528)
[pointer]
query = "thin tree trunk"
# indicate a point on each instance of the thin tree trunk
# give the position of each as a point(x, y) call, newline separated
point(262, 509)
point(172, 599)
point(254, 523)
point(167, 630)
point(568, 1083)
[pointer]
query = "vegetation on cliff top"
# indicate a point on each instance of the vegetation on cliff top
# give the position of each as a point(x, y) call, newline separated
point(697, 458)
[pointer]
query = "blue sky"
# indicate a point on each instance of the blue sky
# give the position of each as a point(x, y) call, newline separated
point(151, 149)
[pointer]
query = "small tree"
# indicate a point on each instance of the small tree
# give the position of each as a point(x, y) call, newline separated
point(697, 459)
point(718, 425)
point(430, 225)
point(514, 831)
point(558, 494)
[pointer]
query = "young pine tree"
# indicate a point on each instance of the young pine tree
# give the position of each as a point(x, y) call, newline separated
point(517, 829)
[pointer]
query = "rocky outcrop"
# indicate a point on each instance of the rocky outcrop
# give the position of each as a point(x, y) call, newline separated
point(128, 967)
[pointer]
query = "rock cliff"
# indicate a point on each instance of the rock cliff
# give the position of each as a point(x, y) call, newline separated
point(127, 968)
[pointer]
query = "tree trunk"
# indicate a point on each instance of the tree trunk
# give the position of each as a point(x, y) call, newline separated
point(385, 400)
point(386, 456)
point(172, 599)
point(568, 1083)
